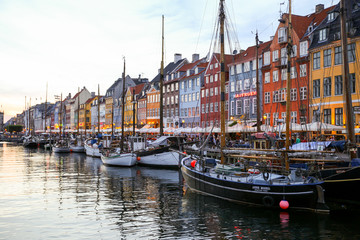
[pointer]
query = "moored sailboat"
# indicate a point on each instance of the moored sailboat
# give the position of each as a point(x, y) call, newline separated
point(266, 186)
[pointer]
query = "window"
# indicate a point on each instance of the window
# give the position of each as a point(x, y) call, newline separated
point(303, 70)
point(276, 97)
point(247, 67)
point(283, 74)
point(254, 106)
point(202, 93)
point(282, 36)
point(232, 70)
point(232, 87)
point(283, 56)
point(316, 59)
point(327, 87)
point(322, 35)
point(283, 95)
point(339, 117)
point(198, 82)
point(211, 78)
point(293, 94)
point(207, 92)
point(338, 85)
point(351, 52)
point(275, 117)
point(207, 108)
point(338, 57)
point(327, 116)
point(238, 86)
point(293, 73)
point(327, 58)
point(232, 108)
point(238, 68)
point(207, 79)
point(246, 107)
point(176, 99)
point(211, 107)
point(190, 83)
point(216, 106)
point(253, 83)
point(267, 77)
point(193, 97)
point(238, 107)
point(216, 91)
point(275, 55)
point(211, 92)
point(332, 16)
point(247, 82)
point(266, 58)
point(294, 51)
point(275, 76)
point(197, 96)
point(283, 116)
point(267, 97)
point(303, 93)
point(293, 117)
point(352, 83)
point(216, 76)
point(202, 108)
point(303, 48)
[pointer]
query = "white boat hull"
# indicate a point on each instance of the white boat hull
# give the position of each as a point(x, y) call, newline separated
point(77, 149)
point(92, 151)
point(124, 159)
point(165, 159)
point(61, 149)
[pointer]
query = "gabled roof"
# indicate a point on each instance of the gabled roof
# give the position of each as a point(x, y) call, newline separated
point(168, 69)
point(137, 88)
point(90, 100)
point(249, 53)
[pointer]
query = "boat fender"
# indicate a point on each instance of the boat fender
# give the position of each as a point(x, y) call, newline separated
point(265, 175)
point(268, 201)
point(138, 158)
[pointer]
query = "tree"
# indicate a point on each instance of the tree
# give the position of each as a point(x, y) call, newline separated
point(14, 128)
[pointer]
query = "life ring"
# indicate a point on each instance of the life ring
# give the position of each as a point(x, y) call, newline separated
point(253, 171)
point(268, 162)
point(268, 201)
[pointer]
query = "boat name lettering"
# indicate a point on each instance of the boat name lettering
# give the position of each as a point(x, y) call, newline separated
point(261, 189)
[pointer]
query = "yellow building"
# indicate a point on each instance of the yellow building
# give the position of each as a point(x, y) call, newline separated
point(326, 81)
point(87, 113)
point(130, 98)
point(108, 112)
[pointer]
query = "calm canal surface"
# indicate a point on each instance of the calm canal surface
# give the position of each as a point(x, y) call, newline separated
point(70, 196)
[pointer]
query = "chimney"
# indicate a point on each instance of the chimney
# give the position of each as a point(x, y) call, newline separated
point(177, 57)
point(272, 38)
point(319, 8)
point(92, 94)
point(195, 57)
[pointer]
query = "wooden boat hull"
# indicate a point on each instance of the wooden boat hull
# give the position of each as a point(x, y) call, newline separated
point(123, 160)
point(342, 183)
point(302, 196)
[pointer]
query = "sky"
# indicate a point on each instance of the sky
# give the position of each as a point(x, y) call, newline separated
point(69, 44)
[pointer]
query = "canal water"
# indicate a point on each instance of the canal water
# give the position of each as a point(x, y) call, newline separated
point(71, 196)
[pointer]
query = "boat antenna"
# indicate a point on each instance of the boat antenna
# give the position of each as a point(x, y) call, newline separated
point(258, 129)
point(98, 109)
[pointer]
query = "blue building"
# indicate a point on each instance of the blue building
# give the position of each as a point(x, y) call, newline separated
point(242, 85)
point(189, 92)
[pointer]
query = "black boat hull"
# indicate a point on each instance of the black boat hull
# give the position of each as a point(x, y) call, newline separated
point(302, 196)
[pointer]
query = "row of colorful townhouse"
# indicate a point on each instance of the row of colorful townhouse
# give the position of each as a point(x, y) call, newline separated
point(191, 89)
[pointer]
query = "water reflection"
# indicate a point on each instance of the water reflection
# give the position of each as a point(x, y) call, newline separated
point(72, 196)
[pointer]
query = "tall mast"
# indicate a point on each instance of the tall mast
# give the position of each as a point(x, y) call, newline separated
point(98, 109)
point(288, 86)
point(29, 118)
point(258, 129)
point(45, 110)
point(60, 122)
point(25, 116)
point(133, 98)
point(222, 81)
point(123, 109)
point(78, 110)
point(345, 76)
point(112, 117)
point(162, 80)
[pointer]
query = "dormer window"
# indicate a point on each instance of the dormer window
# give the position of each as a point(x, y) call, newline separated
point(332, 16)
point(188, 72)
point(282, 35)
point(322, 35)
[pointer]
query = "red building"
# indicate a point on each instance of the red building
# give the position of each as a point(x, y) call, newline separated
point(274, 69)
point(210, 91)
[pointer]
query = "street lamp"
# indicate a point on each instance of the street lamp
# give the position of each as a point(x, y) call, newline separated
point(183, 121)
